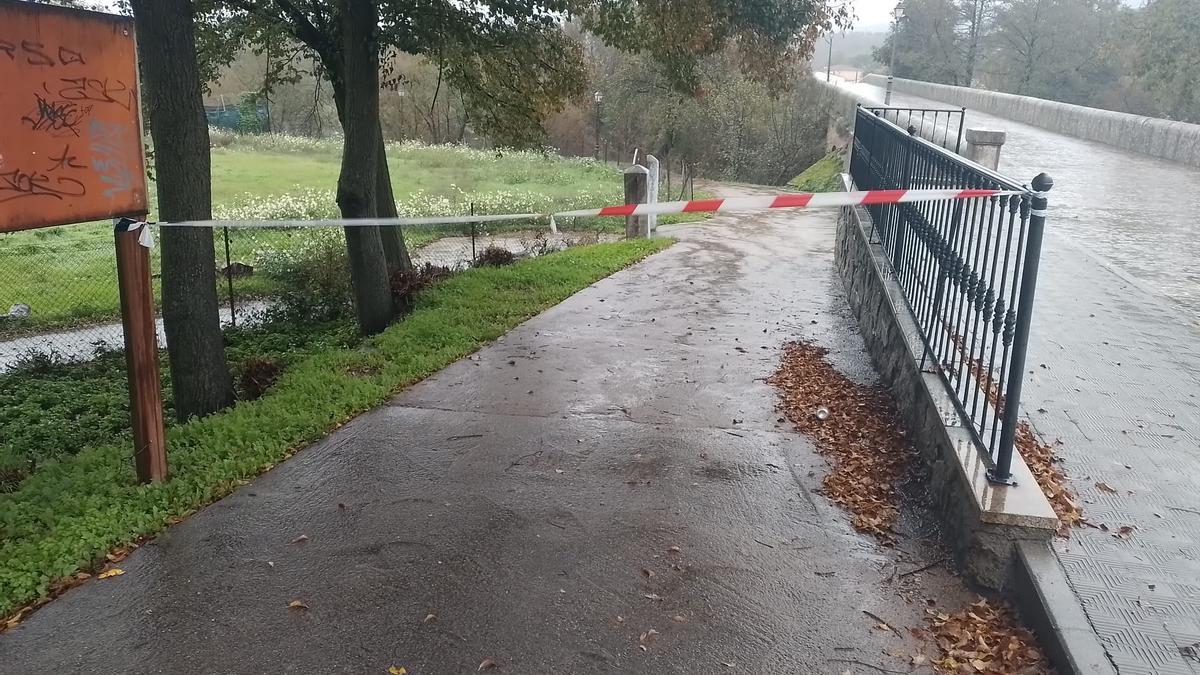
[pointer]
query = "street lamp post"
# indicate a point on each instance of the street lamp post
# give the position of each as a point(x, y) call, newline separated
point(899, 14)
point(598, 97)
point(829, 58)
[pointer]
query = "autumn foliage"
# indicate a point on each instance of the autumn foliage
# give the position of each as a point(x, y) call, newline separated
point(986, 638)
point(862, 436)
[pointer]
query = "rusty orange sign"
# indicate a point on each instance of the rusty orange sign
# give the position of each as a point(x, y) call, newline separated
point(70, 129)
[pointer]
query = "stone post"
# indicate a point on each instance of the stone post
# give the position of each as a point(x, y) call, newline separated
point(637, 179)
point(652, 191)
point(983, 146)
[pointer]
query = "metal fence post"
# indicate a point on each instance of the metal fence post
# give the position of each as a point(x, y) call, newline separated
point(474, 256)
point(636, 191)
point(229, 280)
point(1041, 184)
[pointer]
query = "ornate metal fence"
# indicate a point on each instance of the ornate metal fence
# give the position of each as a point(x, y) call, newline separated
point(942, 126)
point(967, 268)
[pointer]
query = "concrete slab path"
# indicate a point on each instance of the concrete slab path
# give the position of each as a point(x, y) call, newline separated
point(531, 497)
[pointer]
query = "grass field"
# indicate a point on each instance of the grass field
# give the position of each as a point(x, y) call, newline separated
point(67, 274)
point(66, 428)
point(823, 176)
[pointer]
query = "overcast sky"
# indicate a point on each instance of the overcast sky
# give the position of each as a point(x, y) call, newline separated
point(872, 15)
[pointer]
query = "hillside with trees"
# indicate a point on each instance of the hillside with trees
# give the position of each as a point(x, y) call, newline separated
point(1101, 53)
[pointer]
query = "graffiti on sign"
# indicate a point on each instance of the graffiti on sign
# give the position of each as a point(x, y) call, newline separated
point(70, 134)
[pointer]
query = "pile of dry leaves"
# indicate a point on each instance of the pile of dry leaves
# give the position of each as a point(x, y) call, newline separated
point(985, 638)
point(1041, 461)
point(861, 436)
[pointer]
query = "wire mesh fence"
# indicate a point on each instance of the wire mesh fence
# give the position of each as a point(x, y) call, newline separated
point(58, 291)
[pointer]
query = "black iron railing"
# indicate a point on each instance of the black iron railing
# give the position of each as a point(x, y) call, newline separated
point(967, 268)
point(942, 126)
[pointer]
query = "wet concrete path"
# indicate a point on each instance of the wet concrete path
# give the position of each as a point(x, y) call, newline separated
point(531, 497)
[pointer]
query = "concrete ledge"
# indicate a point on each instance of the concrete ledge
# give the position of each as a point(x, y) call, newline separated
point(1049, 606)
point(985, 520)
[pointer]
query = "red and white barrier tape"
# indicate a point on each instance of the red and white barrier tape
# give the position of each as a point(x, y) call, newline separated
point(783, 201)
point(787, 201)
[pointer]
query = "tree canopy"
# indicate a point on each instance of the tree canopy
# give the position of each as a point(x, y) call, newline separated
point(1144, 61)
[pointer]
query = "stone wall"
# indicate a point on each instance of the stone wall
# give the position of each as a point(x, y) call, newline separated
point(984, 520)
point(1176, 141)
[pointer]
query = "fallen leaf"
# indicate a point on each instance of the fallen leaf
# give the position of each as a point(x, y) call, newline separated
point(673, 549)
point(642, 647)
point(296, 604)
point(1105, 487)
point(620, 619)
point(652, 596)
point(487, 664)
point(679, 618)
point(301, 538)
point(398, 671)
point(1125, 532)
point(558, 471)
point(114, 572)
point(429, 618)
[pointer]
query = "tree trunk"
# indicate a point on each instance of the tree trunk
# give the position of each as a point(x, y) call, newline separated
point(166, 39)
point(394, 248)
point(360, 150)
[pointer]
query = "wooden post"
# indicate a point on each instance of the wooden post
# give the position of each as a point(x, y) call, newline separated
point(141, 353)
point(636, 191)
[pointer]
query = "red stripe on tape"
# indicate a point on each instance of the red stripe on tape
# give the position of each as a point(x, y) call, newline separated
point(698, 205)
point(963, 194)
point(626, 210)
point(799, 200)
point(883, 196)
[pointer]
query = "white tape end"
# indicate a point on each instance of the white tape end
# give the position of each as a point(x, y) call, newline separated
point(146, 237)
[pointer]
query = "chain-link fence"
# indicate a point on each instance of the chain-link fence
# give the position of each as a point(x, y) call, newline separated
point(59, 300)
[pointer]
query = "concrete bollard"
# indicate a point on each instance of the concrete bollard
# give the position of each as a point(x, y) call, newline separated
point(652, 191)
point(637, 182)
point(983, 146)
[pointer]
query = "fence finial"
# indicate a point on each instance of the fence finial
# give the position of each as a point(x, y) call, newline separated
point(1042, 182)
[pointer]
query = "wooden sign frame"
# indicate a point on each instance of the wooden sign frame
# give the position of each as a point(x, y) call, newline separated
point(71, 152)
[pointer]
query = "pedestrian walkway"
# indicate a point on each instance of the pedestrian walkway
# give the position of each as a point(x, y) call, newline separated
point(1115, 376)
point(608, 488)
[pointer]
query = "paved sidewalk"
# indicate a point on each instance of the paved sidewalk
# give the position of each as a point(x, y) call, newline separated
point(1116, 377)
point(525, 495)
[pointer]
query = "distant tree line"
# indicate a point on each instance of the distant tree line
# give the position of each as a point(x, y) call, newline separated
point(1097, 53)
point(731, 124)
